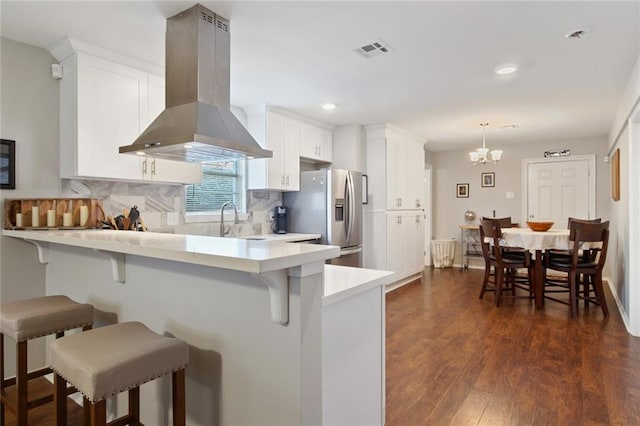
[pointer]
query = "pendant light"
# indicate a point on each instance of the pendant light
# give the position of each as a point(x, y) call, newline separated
point(481, 155)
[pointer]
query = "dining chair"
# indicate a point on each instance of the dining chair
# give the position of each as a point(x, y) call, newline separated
point(505, 222)
point(588, 244)
point(504, 267)
point(555, 283)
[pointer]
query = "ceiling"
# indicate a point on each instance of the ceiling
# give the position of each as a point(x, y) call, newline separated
point(438, 81)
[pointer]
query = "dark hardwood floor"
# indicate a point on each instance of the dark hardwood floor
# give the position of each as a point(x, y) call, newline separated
point(43, 415)
point(455, 359)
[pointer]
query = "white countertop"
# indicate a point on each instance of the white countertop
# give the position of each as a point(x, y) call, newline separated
point(342, 282)
point(228, 253)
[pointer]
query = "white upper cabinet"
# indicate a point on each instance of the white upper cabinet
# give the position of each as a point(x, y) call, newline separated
point(315, 143)
point(281, 135)
point(395, 164)
point(160, 170)
point(104, 104)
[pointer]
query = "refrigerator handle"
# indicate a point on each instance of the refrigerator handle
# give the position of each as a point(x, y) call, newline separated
point(347, 219)
point(351, 206)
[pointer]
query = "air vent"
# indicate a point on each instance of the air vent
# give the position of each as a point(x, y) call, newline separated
point(373, 49)
point(206, 17)
point(222, 23)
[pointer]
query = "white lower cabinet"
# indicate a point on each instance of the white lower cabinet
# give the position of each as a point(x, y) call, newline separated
point(405, 242)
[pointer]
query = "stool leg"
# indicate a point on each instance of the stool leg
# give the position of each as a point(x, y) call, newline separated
point(134, 406)
point(178, 392)
point(22, 383)
point(60, 400)
point(99, 413)
point(1, 378)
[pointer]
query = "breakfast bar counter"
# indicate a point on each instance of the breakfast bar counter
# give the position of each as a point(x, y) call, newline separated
point(251, 311)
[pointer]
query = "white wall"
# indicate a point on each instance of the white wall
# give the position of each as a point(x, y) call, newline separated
point(29, 115)
point(450, 168)
point(624, 240)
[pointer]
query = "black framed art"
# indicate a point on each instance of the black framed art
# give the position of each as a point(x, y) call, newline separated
point(488, 179)
point(462, 190)
point(7, 164)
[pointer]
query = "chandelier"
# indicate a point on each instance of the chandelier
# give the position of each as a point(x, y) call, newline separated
point(481, 155)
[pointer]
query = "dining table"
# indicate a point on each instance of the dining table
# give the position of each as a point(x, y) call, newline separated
point(536, 242)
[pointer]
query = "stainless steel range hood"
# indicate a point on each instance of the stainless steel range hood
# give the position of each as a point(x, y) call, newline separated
point(197, 124)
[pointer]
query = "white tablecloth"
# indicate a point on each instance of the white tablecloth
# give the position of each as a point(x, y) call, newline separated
point(531, 240)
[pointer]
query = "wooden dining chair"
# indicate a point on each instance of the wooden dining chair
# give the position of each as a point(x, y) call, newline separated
point(504, 267)
point(555, 283)
point(588, 244)
point(505, 222)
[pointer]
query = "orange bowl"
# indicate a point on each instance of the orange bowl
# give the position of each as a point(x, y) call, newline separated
point(540, 226)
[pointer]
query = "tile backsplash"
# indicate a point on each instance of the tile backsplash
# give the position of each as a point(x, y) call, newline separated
point(157, 201)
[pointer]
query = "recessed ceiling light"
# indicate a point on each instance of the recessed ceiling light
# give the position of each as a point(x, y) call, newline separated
point(141, 153)
point(187, 146)
point(328, 107)
point(510, 126)
point(506, 69)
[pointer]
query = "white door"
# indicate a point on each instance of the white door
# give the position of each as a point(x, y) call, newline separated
point(559, 189)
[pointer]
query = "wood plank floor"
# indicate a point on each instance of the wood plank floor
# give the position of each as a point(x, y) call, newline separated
point(43, 415)
point(453, 359)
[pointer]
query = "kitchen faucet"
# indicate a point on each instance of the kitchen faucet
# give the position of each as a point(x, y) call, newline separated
point(225, 230)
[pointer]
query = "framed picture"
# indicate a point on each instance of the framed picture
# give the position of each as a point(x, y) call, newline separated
point(615, 175)
point(7, 164)
point(462, 190)
point(488, 179)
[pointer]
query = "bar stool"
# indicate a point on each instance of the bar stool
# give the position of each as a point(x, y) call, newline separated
point(106, 361)
point(27, 319)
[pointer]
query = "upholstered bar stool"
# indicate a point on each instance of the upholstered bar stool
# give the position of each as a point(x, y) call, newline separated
point(27, 319)
point(106, 361)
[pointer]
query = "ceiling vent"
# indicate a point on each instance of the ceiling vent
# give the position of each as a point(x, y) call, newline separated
point(373, 49)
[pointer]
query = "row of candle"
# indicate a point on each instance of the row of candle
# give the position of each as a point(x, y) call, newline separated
point(67, 218)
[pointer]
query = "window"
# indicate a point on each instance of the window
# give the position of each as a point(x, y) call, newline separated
point(221, 182)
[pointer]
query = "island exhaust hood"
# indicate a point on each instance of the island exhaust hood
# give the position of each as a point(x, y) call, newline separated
point(197, 124)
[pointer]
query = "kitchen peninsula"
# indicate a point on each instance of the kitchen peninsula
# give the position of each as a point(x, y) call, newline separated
point(251, 311)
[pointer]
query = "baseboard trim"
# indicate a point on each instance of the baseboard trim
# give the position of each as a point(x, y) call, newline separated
point(404, 281)
point(623, 313)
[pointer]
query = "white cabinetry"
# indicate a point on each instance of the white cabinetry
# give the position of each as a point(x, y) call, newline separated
point(315, 143)
point(394, 217)
point(405, 242)
point(404, 161)
point(156, 169)
point(105, 104)
point(281, 135)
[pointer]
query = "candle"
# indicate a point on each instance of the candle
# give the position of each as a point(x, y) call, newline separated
point(51, 218)
point(35, 216)
point(66, 219)
point(19, 219)
point(84, 215)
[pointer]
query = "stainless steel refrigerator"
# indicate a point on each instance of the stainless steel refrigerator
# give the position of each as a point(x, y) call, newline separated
point(329, 203)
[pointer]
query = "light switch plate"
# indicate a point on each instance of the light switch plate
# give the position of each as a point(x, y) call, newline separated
point(509, 194)
point(173, 218)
